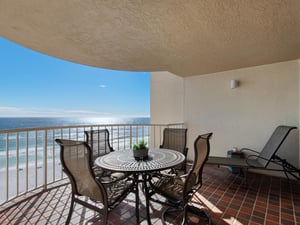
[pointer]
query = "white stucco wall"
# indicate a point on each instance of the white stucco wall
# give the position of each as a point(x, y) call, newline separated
point(299, 109)
point(268, 96)
point(167, 98)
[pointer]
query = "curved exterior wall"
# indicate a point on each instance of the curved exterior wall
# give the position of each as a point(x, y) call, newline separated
point(246, 116)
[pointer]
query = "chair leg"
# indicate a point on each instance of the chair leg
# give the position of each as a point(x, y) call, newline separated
point(137, 200)
point(71, 209)
point(196, 211)
point(146, 191)
point(169, 210)
point(105, 216)
point(244, 173)
point(184, 220)
point(187, 209)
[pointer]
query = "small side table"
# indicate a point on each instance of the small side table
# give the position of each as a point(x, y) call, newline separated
point(236, 154)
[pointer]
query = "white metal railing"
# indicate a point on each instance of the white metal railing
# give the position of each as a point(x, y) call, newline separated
point(29, 158)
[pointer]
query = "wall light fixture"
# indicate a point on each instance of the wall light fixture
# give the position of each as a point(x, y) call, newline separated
point(234, 84)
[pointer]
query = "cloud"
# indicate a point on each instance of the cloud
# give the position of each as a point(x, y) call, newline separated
point(8, 108)
point(102, 86)
point(81, 112)
point(37, 112)
point(10, 111)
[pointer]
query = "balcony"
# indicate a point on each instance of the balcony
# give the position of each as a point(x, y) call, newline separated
point(267, 200)
point(35, 191)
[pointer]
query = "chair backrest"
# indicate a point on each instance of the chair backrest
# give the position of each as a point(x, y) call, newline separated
point(201, 152)
point(75, 157)
point(273, 144)
point(98, 140)
point(175, 139)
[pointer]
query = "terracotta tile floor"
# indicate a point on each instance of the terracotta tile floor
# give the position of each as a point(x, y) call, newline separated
point(266, 200)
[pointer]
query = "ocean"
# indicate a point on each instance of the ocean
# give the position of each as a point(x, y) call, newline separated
point(33, 122)
point(31, 144)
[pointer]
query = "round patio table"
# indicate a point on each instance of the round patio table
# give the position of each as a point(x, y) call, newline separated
point(123, 161)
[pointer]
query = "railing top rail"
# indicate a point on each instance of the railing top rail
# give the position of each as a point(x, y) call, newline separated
point(83, 126)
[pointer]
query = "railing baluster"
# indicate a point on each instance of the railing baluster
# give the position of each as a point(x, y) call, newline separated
point(130, 143)
point(36, 155)
point(27, 161)
point(61, 135)
point(17, 162)
point(7, 166)
point(124, 137)
point(53, 157)
point(118, 137)
point(45, 167)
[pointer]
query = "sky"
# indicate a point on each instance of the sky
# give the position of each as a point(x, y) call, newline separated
point(36, 85)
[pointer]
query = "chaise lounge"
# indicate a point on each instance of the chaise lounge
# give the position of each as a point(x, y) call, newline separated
point(261, 160)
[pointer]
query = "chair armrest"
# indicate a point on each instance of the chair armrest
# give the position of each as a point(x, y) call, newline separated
point(183, 176)
point(159, 175)
point(248, 149)
point(185, 151)
point(259, 157)
point(109, 178)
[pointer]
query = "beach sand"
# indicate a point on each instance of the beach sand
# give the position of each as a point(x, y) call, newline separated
point(35, 179)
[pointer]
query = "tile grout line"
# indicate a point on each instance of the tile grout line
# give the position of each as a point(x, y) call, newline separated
point(293, 203)
point(226, 190)
point(280, 195)
point(254, 203)
point(268, 202)
point(244, 198)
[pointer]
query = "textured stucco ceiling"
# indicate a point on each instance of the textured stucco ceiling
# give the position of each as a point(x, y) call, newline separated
point(185, 37)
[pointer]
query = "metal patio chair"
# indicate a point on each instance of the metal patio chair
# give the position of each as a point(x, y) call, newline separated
point(88, 190)
point(99, 142)
point(175, 139)
point(179, 190)
point(261, 160)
